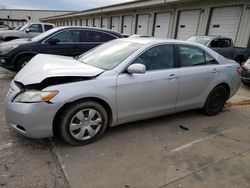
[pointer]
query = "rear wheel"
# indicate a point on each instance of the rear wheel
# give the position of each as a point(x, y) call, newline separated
point(215, 101)
point(22, 62)
point(83, 123)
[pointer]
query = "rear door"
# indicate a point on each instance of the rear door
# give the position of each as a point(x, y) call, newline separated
point(151, 93)
point(199, 73)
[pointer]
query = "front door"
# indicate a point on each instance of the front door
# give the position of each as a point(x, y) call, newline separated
point(151, 93)
point(69, 43)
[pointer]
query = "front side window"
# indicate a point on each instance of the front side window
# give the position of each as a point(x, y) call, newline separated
point(191, 56)
point(68, 36)
point(157, 58)
point(36, 28)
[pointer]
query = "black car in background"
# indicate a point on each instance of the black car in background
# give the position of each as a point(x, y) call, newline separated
point(67, 41)
point(245, 75)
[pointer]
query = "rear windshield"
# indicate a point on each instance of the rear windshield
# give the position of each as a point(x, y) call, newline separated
point(200, 40)
point(109, 55)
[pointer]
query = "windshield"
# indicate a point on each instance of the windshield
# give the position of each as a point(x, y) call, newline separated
point(18, 28)
point(24, 27)
point(44, 35)
point(199, 40)
point(109, 55)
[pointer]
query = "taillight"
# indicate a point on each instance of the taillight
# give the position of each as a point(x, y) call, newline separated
point(239, 70)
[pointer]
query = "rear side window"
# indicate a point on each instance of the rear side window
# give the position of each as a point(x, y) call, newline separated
point(92, 36)
point(68, 36)
point(157, 58)
point(48, 27)
point(209, 59)
point(191, 56)
point(109, 37)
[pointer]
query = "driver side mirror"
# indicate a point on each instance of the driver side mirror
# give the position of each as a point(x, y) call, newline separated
point(53, 41)
point(27, 30)
point(136, 68)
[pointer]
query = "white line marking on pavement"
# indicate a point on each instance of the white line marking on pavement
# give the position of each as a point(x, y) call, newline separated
point(6, 146)
point(197, 141)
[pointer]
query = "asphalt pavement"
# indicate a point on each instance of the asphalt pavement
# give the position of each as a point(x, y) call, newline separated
point(182, 150)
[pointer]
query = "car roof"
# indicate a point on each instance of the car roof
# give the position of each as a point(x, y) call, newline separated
point(211, 37)
point(44, 23)
point(87, 27)
point(155, 40)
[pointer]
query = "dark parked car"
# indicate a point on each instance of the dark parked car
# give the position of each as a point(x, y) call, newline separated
point(67, 41)
point(245, 75)
point(223, 46)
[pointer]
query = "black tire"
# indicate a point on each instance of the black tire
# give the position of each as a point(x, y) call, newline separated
point(21, 61)
point(246, 83)
point(215, 101)
point(69, 113)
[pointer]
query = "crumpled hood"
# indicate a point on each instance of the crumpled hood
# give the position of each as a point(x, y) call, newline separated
point(44, 66)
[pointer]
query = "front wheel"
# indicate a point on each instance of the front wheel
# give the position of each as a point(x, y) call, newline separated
point(215, 101)
point(83, 123)
point(22, 62)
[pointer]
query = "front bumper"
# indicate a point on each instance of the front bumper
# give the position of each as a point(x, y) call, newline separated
point(34, 120)
point(5, 62)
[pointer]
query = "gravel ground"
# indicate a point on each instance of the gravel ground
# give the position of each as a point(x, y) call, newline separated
point(24, 162)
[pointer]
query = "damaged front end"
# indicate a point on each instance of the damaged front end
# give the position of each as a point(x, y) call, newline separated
point(54, 81)
point(33, 93)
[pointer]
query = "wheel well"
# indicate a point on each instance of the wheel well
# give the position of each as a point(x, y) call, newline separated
point(21, 56)
point(10, 38)
point(239, 58)
point(94, 99)
point(227, 88)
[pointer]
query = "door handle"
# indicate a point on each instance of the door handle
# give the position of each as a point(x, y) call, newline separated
point(215, 71)
point(172, 76)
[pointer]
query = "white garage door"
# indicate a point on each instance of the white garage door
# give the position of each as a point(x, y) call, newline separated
point(97, 22)
point(127, 25)
point(90, 22)
point(115, 23)
point(105, 23)
point(162, 21)
point(225, 21)
point(188, 24)
point(84, 22)
point(142, 24)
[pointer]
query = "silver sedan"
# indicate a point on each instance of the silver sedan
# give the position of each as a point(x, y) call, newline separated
point(118, 82)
